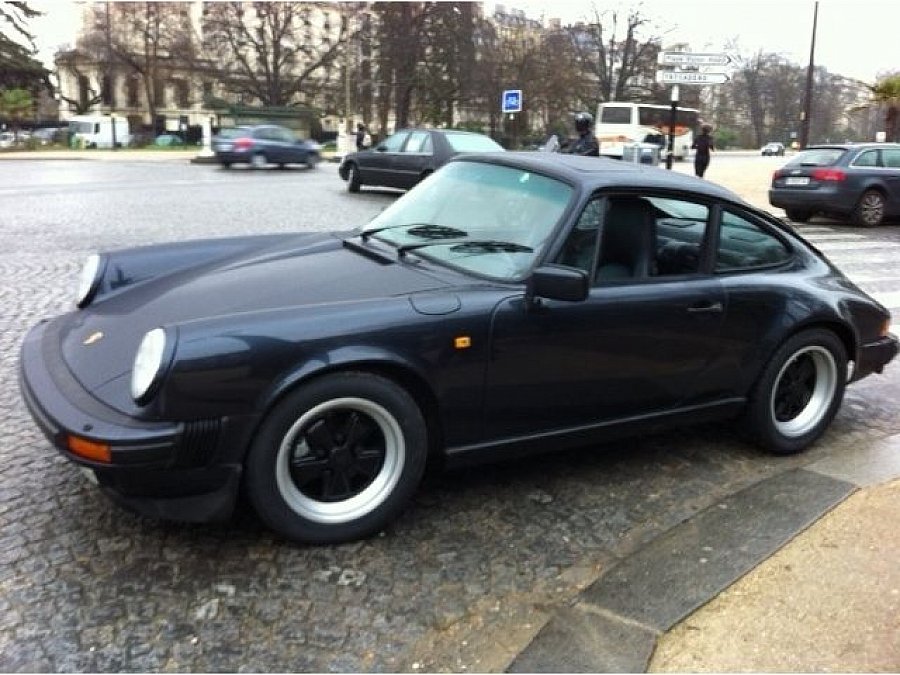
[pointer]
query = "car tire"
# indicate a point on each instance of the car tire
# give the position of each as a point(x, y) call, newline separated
point(258, 160)
point(798, 393)
point(353, 181)
point(337, 459)
point(312, 161)
point(869, 210)
point(798, 216)
point(226, 165)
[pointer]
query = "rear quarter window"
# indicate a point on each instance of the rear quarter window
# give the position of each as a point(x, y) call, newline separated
point(743, 245)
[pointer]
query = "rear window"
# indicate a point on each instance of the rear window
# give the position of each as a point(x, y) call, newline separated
point(817, 157)
point(472, 143)
point(615, 115)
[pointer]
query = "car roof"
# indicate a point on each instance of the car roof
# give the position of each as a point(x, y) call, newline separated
point(442, 131)
point(852, 146)
point(592, 173)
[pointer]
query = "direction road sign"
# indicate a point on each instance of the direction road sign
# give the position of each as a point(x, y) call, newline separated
point(511, 101)
point(690, 77)
point(688, 59)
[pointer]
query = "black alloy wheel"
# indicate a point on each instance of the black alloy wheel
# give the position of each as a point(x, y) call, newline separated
point(799, 392)
point(337, 459)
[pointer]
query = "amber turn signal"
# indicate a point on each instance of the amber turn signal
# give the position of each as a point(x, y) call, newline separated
point(97, 452)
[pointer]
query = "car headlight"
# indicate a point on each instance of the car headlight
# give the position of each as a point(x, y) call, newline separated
point(89, 281)
point(149, 365)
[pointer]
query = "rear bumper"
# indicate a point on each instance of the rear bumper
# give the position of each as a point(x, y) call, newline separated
point(811, 200)
point(874, 356)
point(159, 469)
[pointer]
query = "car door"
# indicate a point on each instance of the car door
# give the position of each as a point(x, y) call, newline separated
point(890, 160)
point(376, 167)
point(646, 340)
point(414, 158)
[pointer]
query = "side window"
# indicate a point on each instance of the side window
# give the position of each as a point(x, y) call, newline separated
point(640, 238)
point(744, 245)
point(890, 158)
point(395, 142)
point(414, 144)
point(867, 158)
point(427, 145)
point(285, 135)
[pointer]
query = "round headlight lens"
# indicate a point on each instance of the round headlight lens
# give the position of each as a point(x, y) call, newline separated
point(89, 280)
point(148, 362)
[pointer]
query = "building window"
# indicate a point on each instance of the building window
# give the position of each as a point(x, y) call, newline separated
point(182, 93)
point(134, 89)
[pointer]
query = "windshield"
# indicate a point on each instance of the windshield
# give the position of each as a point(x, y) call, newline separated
point(817, 157)
point(489, 220)
point(472, 143)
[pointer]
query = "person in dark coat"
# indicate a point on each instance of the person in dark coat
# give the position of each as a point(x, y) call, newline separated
point(586, 143)
point(361, 134)
point(704, 145)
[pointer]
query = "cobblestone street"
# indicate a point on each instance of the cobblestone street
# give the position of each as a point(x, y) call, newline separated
point(461, 582)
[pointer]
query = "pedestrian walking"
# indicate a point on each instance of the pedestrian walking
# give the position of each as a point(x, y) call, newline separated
point(363, 140)
point(704, 145)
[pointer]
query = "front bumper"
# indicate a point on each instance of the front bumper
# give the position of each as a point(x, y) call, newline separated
point(874, 356)
point(159, 469)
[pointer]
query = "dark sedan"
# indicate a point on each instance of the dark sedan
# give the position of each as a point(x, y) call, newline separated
point(262, 145)
point(513, 302)
point(860, 182)
point(406, 157)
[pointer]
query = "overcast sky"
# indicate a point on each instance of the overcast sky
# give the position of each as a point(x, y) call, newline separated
point(855, 38)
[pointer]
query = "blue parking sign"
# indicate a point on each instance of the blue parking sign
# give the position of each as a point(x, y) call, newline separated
point(512, 101)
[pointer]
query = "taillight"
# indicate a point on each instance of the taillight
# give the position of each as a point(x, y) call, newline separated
point(778, 173)
point(243, 144)
point(828, 174)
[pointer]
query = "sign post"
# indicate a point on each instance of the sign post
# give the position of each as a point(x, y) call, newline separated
point(510, 104)
point(695, 76)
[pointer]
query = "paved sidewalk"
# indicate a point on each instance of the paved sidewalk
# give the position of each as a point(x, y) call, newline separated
point(797, 573)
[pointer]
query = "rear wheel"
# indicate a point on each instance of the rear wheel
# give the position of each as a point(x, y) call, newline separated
point(337, 459)
point(226, 165)
point(799, 392)
point(869, 211)
point(258, 161)
point(312, 161)
point(353, 181)
point(798, 216)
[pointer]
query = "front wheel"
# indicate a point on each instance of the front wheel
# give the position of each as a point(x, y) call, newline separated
point(337, 459)
point(799, 392)
point(258, 161)
point(353, 181)
point(869, 211)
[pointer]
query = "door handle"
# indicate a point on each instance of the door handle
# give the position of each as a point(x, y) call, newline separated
point(705, 308)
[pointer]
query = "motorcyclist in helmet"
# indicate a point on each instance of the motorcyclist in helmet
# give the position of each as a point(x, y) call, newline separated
point(586, 143)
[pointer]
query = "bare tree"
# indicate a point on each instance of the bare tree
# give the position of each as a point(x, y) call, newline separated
point(278, 53)
point(611, 52)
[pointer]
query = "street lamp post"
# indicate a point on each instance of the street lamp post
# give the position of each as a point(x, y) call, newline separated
point(807, 100)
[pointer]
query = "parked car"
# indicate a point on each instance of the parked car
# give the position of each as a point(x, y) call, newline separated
point(262, 145)
point(7, 139)
point(406, 157)
point(50, 135)
point(773, 149)
point(512, 302)
point(856, 181)
point(167, 141)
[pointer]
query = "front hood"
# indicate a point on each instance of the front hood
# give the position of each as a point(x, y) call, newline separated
point(99, 342)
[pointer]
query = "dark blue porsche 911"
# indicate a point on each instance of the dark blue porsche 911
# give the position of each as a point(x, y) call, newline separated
point(513, 302)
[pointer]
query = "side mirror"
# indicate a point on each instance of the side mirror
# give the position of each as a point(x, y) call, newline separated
point(556, 282)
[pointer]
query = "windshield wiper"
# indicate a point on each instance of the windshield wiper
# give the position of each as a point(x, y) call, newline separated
point(473, 245)
point(425, 230)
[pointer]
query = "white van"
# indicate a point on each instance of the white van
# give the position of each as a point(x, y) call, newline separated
point(96, 131)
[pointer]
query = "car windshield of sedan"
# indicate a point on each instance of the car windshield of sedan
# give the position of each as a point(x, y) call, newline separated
point(486, 219)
